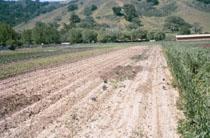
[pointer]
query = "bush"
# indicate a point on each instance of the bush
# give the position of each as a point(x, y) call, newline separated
point(154, 2)
point(45, 33)
point(75, 36)
point(175, 24)
point(6, 34)
point(88, 22)
point(156, 36)
point(93, 7)
point(72, 7)
point(159, 36)
point(184, 30)
point(130, 12)
point(105, 37)
point(12, 44)
point(117, 11)
point(151, 36)
point(26, 37)
point(88, 10)
point(89, 36)
point(74, 19)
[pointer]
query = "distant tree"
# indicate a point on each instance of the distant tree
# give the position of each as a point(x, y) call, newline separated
point(38, 33)
point(26, 37)
point(45, 33)
point(89, 10)
point(151, 35)
point(75, 36)
point(106, 36)
point(175, 23)
point(72, 7)
point(184, 30)
point(204, 1)
point(159, 36)
point(196, 28)
point(93, 7)
point(154, 2)
point(74, 19)
point(138, 34)
point(89, 36)
point(7, 34)
point(117, 11)
point(12, 44)
point(87, 22)
point(129, 12)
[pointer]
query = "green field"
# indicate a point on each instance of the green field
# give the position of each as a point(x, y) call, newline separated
point(190, 65)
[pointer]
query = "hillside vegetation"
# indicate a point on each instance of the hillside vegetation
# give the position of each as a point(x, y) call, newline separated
point(16, 12)
point(151, 13)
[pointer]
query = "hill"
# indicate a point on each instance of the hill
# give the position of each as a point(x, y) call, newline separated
point(151, 15)
point(16, 12)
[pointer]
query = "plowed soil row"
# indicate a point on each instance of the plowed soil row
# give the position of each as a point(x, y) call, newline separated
point(111, 95)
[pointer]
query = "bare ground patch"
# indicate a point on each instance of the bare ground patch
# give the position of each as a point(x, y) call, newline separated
point(121, 73)
point(16, 102)
point(143, 56)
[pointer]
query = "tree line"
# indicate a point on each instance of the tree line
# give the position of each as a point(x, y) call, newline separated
point(44, 33)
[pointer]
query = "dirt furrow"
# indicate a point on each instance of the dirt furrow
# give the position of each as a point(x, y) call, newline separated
point(119, 120)
point(161, 112)
point(125, 93)
point(21, 79)
point(62, 84)
point(34, 109)
point(55, 73)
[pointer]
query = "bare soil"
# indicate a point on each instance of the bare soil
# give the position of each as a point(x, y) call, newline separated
point(111, 95)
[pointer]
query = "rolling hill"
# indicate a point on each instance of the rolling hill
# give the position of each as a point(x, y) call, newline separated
point(151, 16)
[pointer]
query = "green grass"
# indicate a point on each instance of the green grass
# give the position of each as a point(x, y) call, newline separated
point(190, 65)
point(25, 60)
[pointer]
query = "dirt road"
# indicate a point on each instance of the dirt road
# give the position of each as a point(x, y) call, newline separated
point(125, 93)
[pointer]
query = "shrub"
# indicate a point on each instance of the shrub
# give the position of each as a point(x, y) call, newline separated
point(159, 36)
point(151, 36)
point(184, 30)
point(88, 22)
point(106, 36)
point(75, 36)
point(174, 24)
point(89, 36)
point(26, 37)
point(45, 33)
point(117, 11)
point(74, 19)
point(72, 7)
point(156, 36)
point(88, 10)
point(6, 33)
point(12, 44)
point(154, 2)
point(129, 12)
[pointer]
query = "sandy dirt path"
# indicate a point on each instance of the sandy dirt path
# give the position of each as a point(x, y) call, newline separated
point(124, 93)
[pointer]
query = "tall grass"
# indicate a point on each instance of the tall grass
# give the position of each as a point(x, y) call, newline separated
point(190, 66)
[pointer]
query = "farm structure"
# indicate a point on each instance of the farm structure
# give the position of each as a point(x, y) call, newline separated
point(193, 37)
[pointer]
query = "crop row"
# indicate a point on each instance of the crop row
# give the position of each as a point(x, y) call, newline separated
point(190, 66)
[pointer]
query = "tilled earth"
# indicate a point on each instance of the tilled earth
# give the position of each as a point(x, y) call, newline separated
point(125, 93)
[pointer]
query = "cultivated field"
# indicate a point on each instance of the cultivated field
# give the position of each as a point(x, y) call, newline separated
point(125, 92)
